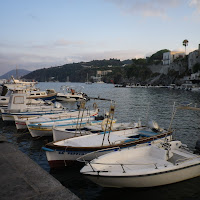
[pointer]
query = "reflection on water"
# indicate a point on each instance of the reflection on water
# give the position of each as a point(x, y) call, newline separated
point(132, 104)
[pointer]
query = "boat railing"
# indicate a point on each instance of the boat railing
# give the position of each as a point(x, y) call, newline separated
point(120, 164)
point(95, 154)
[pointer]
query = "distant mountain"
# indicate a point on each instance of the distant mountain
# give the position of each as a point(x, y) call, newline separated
point(15, 73)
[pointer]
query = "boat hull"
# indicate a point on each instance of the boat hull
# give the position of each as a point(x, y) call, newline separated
point(148, 180)
point(61, 159)
point(30, 113)
point(47, 130)
point(67, 155)
point(70, 99)
point(40, 132)
point(60, 135)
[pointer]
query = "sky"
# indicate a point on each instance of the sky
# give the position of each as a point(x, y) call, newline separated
point(38, 34)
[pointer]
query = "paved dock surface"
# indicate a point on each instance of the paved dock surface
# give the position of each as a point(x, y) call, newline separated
point(22, 178)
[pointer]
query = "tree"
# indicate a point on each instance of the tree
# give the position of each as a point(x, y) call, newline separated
point(185, 43)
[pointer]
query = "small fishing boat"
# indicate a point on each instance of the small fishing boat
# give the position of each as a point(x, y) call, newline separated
point(65, 132)
point(75, 130)
point(22, 119)
point(46, 128)
point(49, 94)
point(65, 152)
point(19, 105)
point(4, 100)
point(148, 166)
point(15, 84)
point(70, 95)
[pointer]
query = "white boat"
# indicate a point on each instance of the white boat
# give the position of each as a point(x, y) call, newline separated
point(65, 152)
point(14, 84)
point(76, 130)
point(65, 132)
point(148, 166)
point(46, 128)
point(21, 119)
point(18, 86)
point(70, 95)
point(18, 105)
point(49, 94)
point(31, 93)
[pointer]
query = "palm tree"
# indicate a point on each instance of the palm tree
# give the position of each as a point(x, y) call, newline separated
point(185, 43)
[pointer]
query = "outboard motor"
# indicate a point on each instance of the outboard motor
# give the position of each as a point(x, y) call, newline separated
point(197, 147)
point(154, 126)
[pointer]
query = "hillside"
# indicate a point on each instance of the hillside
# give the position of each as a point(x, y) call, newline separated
point(75, 72)
point(113, 70)
point(15, 73)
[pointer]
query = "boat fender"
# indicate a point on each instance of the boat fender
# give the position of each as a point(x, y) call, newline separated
point(47, 149)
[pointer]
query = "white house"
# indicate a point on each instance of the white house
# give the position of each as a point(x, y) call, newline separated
point(193, 58)
point(169, 57)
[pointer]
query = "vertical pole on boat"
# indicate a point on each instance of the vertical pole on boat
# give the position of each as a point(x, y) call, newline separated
point(111, 113)
point(173, 115)
point(108, 120)
point(83, 107)
point(105, 132)
point(80, 107)
point(147, 118)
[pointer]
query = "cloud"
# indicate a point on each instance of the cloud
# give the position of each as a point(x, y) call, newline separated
point(26, 61)
point(59, 43)
point(63, 42)
point(153, 8)
point(196, 5)
point(32, 61)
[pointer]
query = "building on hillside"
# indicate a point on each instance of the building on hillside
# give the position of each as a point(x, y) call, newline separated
point(103, 73)
point(169, 57)
point(99, 75)
point(193, 58)
point(193, 78)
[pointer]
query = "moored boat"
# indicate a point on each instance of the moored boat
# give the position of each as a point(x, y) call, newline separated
point(70, 95)
point(148, 166)
point(46, 128)
point(65, 152)
point(65, 132)
point(18, 104)
point(22, 119)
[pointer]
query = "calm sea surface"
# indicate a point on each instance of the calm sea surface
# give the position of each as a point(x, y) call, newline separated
point(132, 104)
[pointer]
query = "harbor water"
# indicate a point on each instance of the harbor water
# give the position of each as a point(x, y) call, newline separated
point(131, 105)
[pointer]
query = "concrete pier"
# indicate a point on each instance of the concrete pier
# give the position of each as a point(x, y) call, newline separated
point(22, 178)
